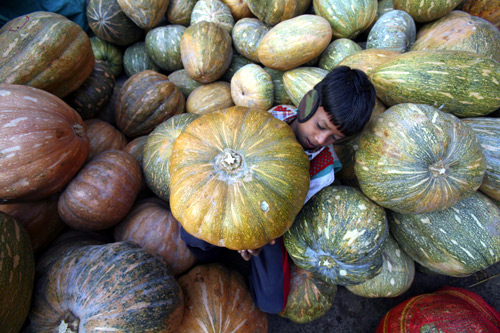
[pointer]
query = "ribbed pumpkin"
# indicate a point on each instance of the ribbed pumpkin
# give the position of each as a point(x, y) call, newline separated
point(457, 241)
point(415, 158)
point(39, 218)
point(239, 9)
point(339, 236)
point(487, 9)
point(108, 52)
point(247, 34)
point(179, 11)
point(17, 273)
point(110, 287)
point(157, 151)
point(108, 21)
point(395, 31)
point(206, 51)
point(47, 51)
point(449, 309)
point(396, 277)
point(237, 61)
point(145, 14)
point(183, 81)
point(426, 10)
point(210, 97)
point(348, 18)
point(368, 59)
point(163, 46)
point(43, 140)
point(217, 299)
point(309, 297)
point(336, 51)
point(297, 82)
point(238, 178)
point(462, 83)
point(214, 11)
point(151, 225)
point(272, 12)
point(459, 30)
point(94, 93)
point(294, 42)
point(102, 193)
point(146, 100)
point(103, 136)
point(280, 94)
point(136, 59)
point(487, 131)
point(252, 87)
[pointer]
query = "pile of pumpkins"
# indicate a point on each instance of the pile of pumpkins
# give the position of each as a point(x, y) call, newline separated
point(112, 138)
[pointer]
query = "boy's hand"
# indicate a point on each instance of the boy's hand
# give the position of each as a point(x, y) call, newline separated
point(247, 254)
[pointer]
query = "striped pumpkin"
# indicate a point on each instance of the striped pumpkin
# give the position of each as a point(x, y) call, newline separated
point(145, 14)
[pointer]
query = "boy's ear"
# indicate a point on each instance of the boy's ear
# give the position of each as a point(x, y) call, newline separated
point(308, 105)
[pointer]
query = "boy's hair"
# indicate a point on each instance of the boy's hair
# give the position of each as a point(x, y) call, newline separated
point(348, 96)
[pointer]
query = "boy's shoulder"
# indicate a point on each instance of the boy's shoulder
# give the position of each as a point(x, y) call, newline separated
point(284, 112)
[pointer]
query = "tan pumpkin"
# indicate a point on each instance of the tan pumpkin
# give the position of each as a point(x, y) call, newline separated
point(146, 100)
point(103, 136)
point(43, 143)
point(238, 178)
point(204, 62)
point(217, 299)
point(239, 9)
point(110, 287)
point(367, 60)
point(39, 218)
point(179, 11)
point(102, 193)
point(209, 97)
point(252, 87)
point(272, 12)
point(487, 9)
point(151, 225)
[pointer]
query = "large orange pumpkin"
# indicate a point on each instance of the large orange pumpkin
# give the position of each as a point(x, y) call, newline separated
point(238, 178)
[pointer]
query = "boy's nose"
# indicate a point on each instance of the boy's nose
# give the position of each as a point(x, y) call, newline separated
point(321, 139)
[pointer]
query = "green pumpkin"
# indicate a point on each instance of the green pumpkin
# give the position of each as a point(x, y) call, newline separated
point(136, 59)
point(184, 82)
point(280, 94)
point(396, 277)
point(108, 52)
point(414, 158)
point(272, 12)
point(297, 82)
point(157, 151)
point(237, 61)
point(487, 131)
point(457, 241)
point(17, 273)
point(179, 11)
point(215, 11)
point(145, 14)
point(163, 46)
point(394, 31)
point(247, 34)
point(339, 236)
point(336, 51)
point(426, 10)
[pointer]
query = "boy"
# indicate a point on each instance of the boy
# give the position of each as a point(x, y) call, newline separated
point(336, 108)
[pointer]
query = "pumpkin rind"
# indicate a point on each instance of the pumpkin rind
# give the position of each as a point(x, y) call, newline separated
point(348, 18)
point(217, 298)
point(163, 46)
point(368, 59)
point(146, 100)
point(252, 87)
point(338, 236)
point(415, 158)
point(272, 12)
point(214, 11)
point(157, 151)
point(487, 9)
point(395, 31)
point(280, 94)
point(136, 59)
point(426, 10)
point(112, 287)
point(487, 131)
point(462, 83)
point(203, 62)
point(238, 178)
point(210, 97)
point(183, 81)
point(108, 52)
point(103, 136)
point(43, 143)
point(294, 42)
point(179, 11)
point(247, 34)
point(297, 82)
point(336, 51)
point(457, 241)
point(237, 61)
point(145, 14)
point(46, 51)
point(17, 273)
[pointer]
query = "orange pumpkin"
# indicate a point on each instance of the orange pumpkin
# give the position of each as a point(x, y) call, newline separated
point(238, 178)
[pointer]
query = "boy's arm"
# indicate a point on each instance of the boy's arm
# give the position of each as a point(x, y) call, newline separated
point(247, 254)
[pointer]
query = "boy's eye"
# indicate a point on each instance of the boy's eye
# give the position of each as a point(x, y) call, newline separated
point(319, 126)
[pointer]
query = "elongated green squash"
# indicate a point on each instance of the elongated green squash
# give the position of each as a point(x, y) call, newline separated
point(457, 241)
point(414, 158)
point(463, 83)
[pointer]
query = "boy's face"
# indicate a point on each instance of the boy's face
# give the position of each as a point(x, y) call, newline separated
point(316, 132)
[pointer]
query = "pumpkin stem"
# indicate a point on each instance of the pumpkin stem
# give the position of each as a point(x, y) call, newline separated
point(69, 324)
point(229, 160)
point(438, 169)
point(79, 130)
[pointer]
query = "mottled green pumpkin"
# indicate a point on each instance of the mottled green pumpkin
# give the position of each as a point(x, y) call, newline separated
point(237, 61)
point(272, 12)
point(163, 46)
point(46, 51)
point(395, 31)
point(487, 131)
point(396, 277)
point(111, 287)
point(179, 11)
point(145, 14)
point(426, 10)
point(157, 151)
point(339, 236)
point(184, 82)
point(108, 52)
point(457, 241)
point(238, 178)
point(297, 82)
point(17, 273)
point(247, 34)
point(415, 158)
point(336, 51)
point(136, 59)
point(462, 83)
point(214, 11)
point(280, 94)
point(309, 297)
